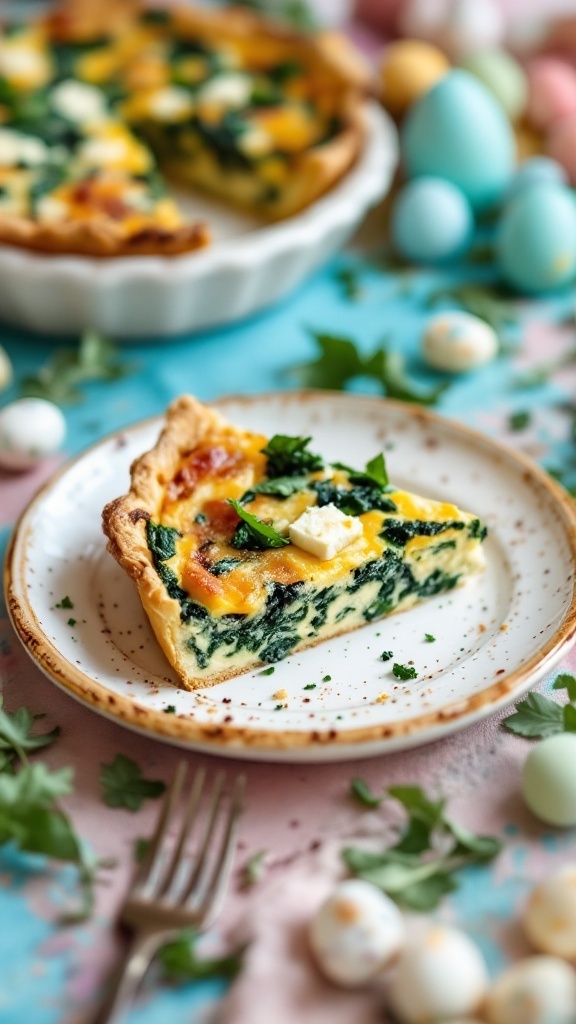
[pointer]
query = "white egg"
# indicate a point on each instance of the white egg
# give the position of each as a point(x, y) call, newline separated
point(356, 932)
point(550, 914)
point(458, 341)
point(31, 429)
point(471, 25)
point(538, 990)
point(441, 975)
point(6, 370)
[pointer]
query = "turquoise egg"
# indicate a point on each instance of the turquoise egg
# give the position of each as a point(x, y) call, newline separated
point(536, 238)
point(503, 76)
point(431, 221)
point(537, 170)
point(459, 132)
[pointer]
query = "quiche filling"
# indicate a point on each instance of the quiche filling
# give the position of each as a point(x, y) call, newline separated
point(262, 548)
point(91, 121)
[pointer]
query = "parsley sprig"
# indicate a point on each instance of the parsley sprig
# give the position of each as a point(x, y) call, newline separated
point(61, 378)
point(423, 865)
point(125, 786)
point(340, 361)
point(181, 963)
point(538, 716)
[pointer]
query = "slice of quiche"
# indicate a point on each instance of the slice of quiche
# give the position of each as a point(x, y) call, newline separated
point(245, 549)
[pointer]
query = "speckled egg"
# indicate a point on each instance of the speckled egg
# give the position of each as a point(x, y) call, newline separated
point(440, 975)
point(31, 429)
point(503, 76)
point(6, 371)
point(431, 221)
point(549, 780)
point(550, 914)
point(561, 145)
point(551, 91)
point(356, 933)
point(536, 238)
point(409, 68)
point(538, 990)
point(457, 342)
point(470, 25)
point(537, 170)
point(457, 131)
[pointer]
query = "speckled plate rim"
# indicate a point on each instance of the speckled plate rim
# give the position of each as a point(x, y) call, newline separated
point(262, 744)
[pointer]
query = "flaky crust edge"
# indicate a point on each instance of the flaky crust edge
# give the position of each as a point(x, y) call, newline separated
point(124, 521)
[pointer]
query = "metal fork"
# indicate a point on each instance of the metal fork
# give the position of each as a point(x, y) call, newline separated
point(174, 889)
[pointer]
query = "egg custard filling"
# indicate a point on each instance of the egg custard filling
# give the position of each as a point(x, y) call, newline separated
point(246, 548)
point(102, 103)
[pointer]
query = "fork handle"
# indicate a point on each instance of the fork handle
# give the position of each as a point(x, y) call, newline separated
point(141, 950)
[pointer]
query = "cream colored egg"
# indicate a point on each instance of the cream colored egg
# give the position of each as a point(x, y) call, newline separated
point(356, 933)
point(538, 990)
point(550, 914)
point(409, 68)
point(457, 342)
point(6, 370)
point(31, 429)
point(441, 975)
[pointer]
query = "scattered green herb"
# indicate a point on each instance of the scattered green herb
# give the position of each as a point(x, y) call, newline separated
point(310, 686)
point(519, 420)
point(71, 622)
point(278, 707)
point(404, 671)
point(387, 655)
point(141, 847)
point(64, 603)
point(16, 737)
point(181, 963)
point(170, 709)
point(253, 869)
point(423, 865)
point(361, 791)
point(340, 362)
point(289, 456)
point(60, 379)
point(124, 785)
point(429, 638)
point(253, 533)
point(349, 280)
point(268, 671)
point(326, 679)
point(566, 681)
point(538, 716)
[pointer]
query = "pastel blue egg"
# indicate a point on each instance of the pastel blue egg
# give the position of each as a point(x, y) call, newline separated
point(431, 221)
point(459, 132)
point(538, 169)
point(536, 238)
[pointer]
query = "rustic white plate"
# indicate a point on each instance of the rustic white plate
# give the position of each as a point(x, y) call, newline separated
point(249, 266)
point(495, 636)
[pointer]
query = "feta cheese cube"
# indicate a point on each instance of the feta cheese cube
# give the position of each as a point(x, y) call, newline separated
point(324, 531)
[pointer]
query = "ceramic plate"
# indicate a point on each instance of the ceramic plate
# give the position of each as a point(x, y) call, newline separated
point(495, 636)
point(249, 266)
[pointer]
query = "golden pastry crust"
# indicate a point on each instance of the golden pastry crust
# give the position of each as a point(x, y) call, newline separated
point(333, 67)
point(123, 520)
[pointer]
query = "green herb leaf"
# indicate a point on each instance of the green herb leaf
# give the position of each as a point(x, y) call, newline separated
point(404, 671)
point(361, 791)
point(569, 718)
point(170, 709)
point(519, 420)
point(349, 280)
point(253, 532)
point(161, 540)
point(64, 603)
point(412, 872)
point(16, 737)
point(289, 456)
point(536, 716)
point(124, 785)
point(310, 686)
point(280, 487)
point(253, 869)
point(429, 638)
point(566, 681)
point(389, 368)
point(386, 655)
point(268, 671)
point(374, 475)
point(61, 378)
point(181, 963)
point(224, 566)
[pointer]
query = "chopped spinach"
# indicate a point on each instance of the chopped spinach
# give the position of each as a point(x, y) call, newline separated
point(354, 501)
point(280, 487)
point(161, 540)
point(252, 534)
point(387, 655)
point(225, 565)
point(404, 671)
point(399, 531)
point(289, 456)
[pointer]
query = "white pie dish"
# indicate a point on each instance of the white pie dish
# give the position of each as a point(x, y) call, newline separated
point(248, 267)
point(495, 636)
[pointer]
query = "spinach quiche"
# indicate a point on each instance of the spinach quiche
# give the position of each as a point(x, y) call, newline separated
point(102, 102)
point(245, 548)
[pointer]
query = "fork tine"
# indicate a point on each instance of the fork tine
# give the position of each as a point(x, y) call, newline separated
point(187, 826)
point(219, 877)
point(200, 855)
point(151, 860)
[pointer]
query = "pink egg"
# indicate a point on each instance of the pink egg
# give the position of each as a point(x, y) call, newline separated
point(561, 145)
point(551, 91)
